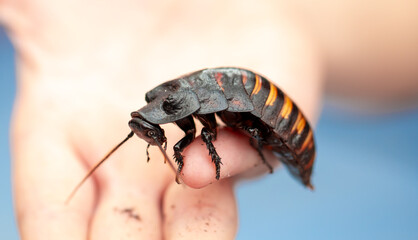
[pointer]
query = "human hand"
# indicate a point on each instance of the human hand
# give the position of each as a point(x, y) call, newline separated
point(128, 197)
point(86, 69)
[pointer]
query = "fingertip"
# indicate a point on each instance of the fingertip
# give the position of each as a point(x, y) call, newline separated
point(198, 170)
point(209, 213)
point(235, 152)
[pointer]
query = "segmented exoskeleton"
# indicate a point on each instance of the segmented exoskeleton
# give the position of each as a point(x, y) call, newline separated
point(242, 99)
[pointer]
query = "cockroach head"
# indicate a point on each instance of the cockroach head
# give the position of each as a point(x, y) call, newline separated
point(151, 133)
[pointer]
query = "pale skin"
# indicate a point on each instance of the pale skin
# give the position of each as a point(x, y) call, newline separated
point(83, 67)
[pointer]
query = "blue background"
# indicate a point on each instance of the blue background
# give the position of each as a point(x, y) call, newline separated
point(366, 178)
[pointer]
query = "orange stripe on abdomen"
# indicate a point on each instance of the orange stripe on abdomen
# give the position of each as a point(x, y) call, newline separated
point(287, 107)
point(299, 117)
point(272, 95)
point(308, 139)
point(257, 86)
point(301, 125)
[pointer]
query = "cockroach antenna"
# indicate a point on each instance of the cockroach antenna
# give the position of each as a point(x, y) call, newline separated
point(166, 159)
point(96, 166)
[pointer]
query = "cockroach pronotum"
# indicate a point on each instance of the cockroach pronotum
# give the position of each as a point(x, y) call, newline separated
point(242, 99)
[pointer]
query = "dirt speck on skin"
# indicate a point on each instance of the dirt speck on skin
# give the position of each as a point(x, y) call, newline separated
point(130, 212)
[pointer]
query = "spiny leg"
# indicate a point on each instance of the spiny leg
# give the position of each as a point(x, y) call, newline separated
point(188, 126)
point(209, 133)
point(255, 133)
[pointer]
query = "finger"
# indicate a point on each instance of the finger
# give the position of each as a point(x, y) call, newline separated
point(129, 204)
point(237, 156)
point(207, 213)
point(43, 169)
point(127, 214)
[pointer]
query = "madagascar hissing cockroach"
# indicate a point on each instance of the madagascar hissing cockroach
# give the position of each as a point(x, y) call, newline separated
point(242, 99)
